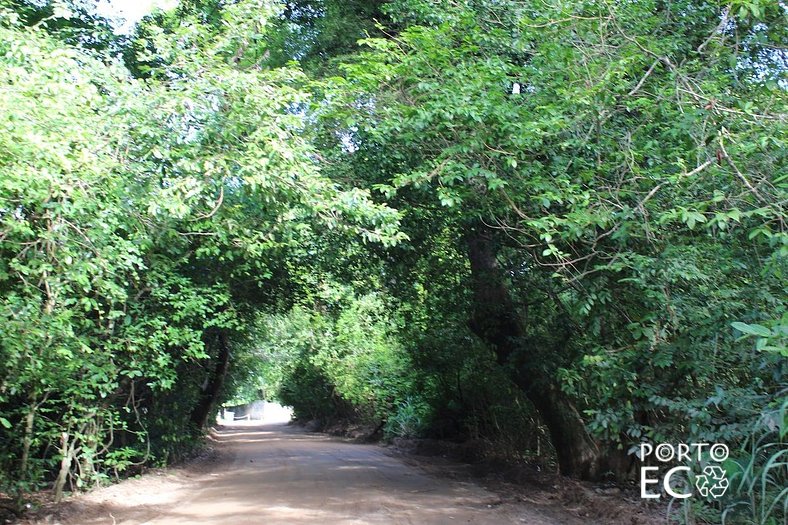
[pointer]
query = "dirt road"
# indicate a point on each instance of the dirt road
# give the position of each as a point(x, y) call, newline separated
point(279, 474)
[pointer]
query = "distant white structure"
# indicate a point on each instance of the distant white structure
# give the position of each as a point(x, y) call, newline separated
point(257, 412)
point(516, 88)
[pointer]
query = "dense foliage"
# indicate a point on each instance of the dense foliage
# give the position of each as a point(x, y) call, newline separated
point(143, 225)
point(557, 229)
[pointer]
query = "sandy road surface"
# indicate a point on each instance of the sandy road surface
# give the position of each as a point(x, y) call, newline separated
point(279, 474)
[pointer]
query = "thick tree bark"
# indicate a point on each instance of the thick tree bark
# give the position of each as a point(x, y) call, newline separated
point(213, 387)
point(496, 321)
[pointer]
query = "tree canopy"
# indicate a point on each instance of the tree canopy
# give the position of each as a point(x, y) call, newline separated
point(558, 229)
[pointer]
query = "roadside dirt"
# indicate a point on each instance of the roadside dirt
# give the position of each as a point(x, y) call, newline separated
point(528, 485)
point(280, 474)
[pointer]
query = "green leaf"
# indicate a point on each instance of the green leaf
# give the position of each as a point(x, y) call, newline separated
point(752, 329)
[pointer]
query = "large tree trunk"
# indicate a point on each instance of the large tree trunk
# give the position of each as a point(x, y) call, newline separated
point(497, 322)
point(213, 386)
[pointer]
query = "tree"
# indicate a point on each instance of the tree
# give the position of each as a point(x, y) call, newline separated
point(595, 176)
point(142, 225)
point(74, 22)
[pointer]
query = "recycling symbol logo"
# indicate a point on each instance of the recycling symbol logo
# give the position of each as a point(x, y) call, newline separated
point(712, 482)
